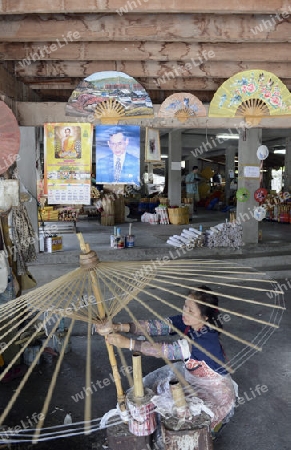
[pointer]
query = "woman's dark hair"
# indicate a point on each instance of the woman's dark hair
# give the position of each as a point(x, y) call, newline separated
point(206, 288)
point(212, 312)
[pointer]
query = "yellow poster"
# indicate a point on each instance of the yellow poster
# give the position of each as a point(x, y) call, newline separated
point(67, 163)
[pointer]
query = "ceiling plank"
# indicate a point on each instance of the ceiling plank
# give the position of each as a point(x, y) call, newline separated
point(175, 85)
point(14, 89)
point(146, 51)
point(163, 71)
point(63, 29)
point(178, 84)
point(145, 6)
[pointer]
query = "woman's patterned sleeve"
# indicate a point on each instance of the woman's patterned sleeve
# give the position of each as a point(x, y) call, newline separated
point(178, 350)
point(151, 327)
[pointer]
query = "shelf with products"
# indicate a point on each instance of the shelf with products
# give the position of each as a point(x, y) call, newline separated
point(59, 214)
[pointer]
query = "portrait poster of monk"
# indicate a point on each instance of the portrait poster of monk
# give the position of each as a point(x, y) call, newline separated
point(67, 155)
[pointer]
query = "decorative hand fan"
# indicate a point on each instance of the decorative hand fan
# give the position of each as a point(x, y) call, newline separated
point(10, 138)
point(207, 173)
point(182, 106)
point(252, 94)
point(262, 152)
point(109, 96)
point(242, 194)
point(98, 291)
point(260, 195)
point(260, 213)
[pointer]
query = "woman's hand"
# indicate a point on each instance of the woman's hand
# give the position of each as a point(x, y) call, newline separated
point(118, 341)
point(104, 328)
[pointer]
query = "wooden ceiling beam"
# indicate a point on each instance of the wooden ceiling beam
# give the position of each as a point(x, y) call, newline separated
point(189, 85)
point(178, 84)
point(163, 71)
point(63, 29)
point(15, 89)
point(146, 51)
point(143, 6)
point(157, 97)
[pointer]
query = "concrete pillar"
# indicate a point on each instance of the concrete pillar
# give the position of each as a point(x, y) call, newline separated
point(249, 178)
point(174, 167)
point(229, 166)
point(27, 171)
point(287, 174)
point(142, 189)
point(151, 172)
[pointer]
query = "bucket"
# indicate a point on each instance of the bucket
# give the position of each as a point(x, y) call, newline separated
point(129, 240)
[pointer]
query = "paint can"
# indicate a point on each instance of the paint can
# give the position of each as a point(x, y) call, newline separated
point(129, 240)
point(59, 341)
point(52, 244)
point(119, 242)
point(30, 354)
point(112, 240)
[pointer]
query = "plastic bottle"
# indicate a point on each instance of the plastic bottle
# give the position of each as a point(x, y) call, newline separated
point(62, 325)
point(68, 419)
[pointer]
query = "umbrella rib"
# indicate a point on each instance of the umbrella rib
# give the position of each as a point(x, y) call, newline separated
point(254, 302)
point(53, 383)
point(207, 304)
point(230, 270)
point(88, 401)
point(233, 336)
point(226, 284)
point(189, 340)
point(244, 316)
point(33, 364)
point(150, 339)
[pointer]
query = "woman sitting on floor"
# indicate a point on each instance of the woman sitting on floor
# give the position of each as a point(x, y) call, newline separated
point(209, 378)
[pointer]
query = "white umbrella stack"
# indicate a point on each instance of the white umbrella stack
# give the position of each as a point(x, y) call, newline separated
point(162, 211)
point(188, 238)
point(224, 235)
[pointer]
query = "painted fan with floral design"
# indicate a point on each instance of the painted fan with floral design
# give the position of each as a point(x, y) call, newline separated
point(182, 106)
point(252, 94)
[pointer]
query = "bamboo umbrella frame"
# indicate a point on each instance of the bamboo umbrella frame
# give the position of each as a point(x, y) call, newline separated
point(97, 291)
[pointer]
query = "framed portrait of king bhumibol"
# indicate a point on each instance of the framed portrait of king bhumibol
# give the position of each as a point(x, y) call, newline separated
point(118, 154)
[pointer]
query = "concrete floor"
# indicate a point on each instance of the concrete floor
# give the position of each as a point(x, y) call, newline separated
point(261, 422)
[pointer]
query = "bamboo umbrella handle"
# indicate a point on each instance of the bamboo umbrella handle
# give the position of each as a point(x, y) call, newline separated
point(116, 376)
point(84, 247)
point(137, 375)
point(112, 359)
point(178, 395)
